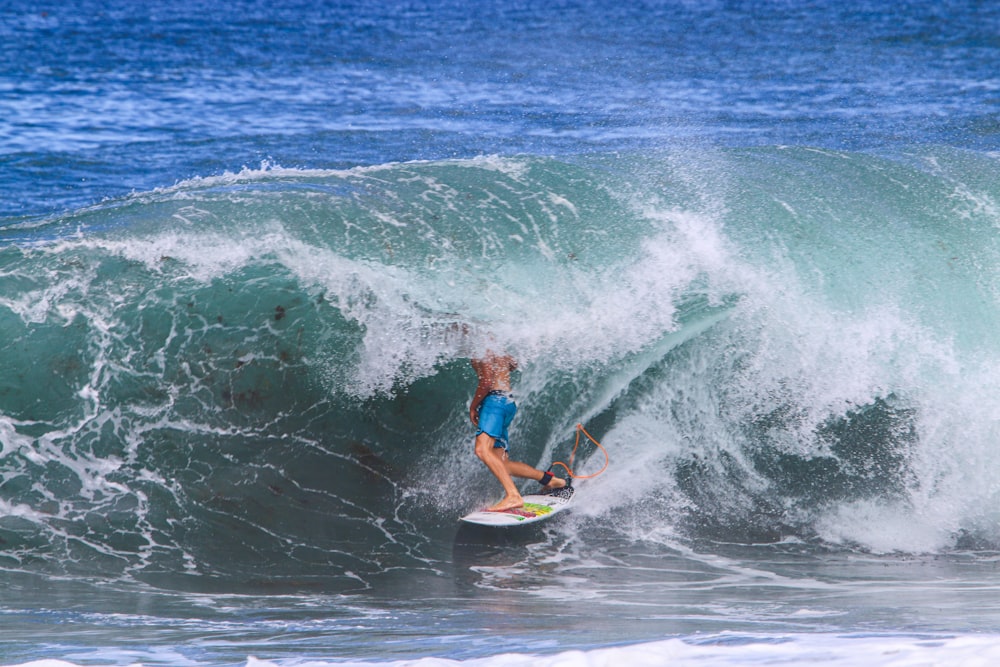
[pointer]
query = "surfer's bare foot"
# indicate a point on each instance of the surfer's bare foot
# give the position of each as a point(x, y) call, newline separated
point(508, 503)
point(556, 483)
point(550, 482)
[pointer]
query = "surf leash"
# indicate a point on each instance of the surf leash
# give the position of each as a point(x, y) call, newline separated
point(572, 457)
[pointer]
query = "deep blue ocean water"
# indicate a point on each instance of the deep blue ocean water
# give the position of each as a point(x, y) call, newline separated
point(247, 249)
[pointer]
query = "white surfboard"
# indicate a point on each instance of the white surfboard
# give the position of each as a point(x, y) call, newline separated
point(537, 507)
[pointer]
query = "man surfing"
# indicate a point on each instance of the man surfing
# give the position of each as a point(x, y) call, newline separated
point(492, 410)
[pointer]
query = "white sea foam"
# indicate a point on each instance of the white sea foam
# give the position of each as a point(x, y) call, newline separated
point(731, 649)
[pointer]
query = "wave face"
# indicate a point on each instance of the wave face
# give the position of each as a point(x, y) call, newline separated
point(264, 376)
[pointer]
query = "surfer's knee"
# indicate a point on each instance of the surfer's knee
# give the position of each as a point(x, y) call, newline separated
point(484, 446)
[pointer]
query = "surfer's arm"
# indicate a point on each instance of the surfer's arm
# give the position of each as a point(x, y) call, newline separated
point(483, 388)
point(477, 398)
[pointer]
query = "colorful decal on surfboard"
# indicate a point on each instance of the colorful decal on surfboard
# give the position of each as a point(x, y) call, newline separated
point(529, 511)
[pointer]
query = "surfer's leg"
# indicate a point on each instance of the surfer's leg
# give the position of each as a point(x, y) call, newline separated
point(495, 460)
point(518, 469)
point(550, 481)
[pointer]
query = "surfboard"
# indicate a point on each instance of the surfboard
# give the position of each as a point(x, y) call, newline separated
point(537, 507)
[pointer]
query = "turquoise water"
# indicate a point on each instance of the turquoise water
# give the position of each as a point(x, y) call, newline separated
point(246, 254)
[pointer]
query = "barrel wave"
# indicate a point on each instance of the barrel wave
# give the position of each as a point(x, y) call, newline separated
point(261, 379)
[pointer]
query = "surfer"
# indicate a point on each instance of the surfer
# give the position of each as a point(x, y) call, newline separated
point(492, 411)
